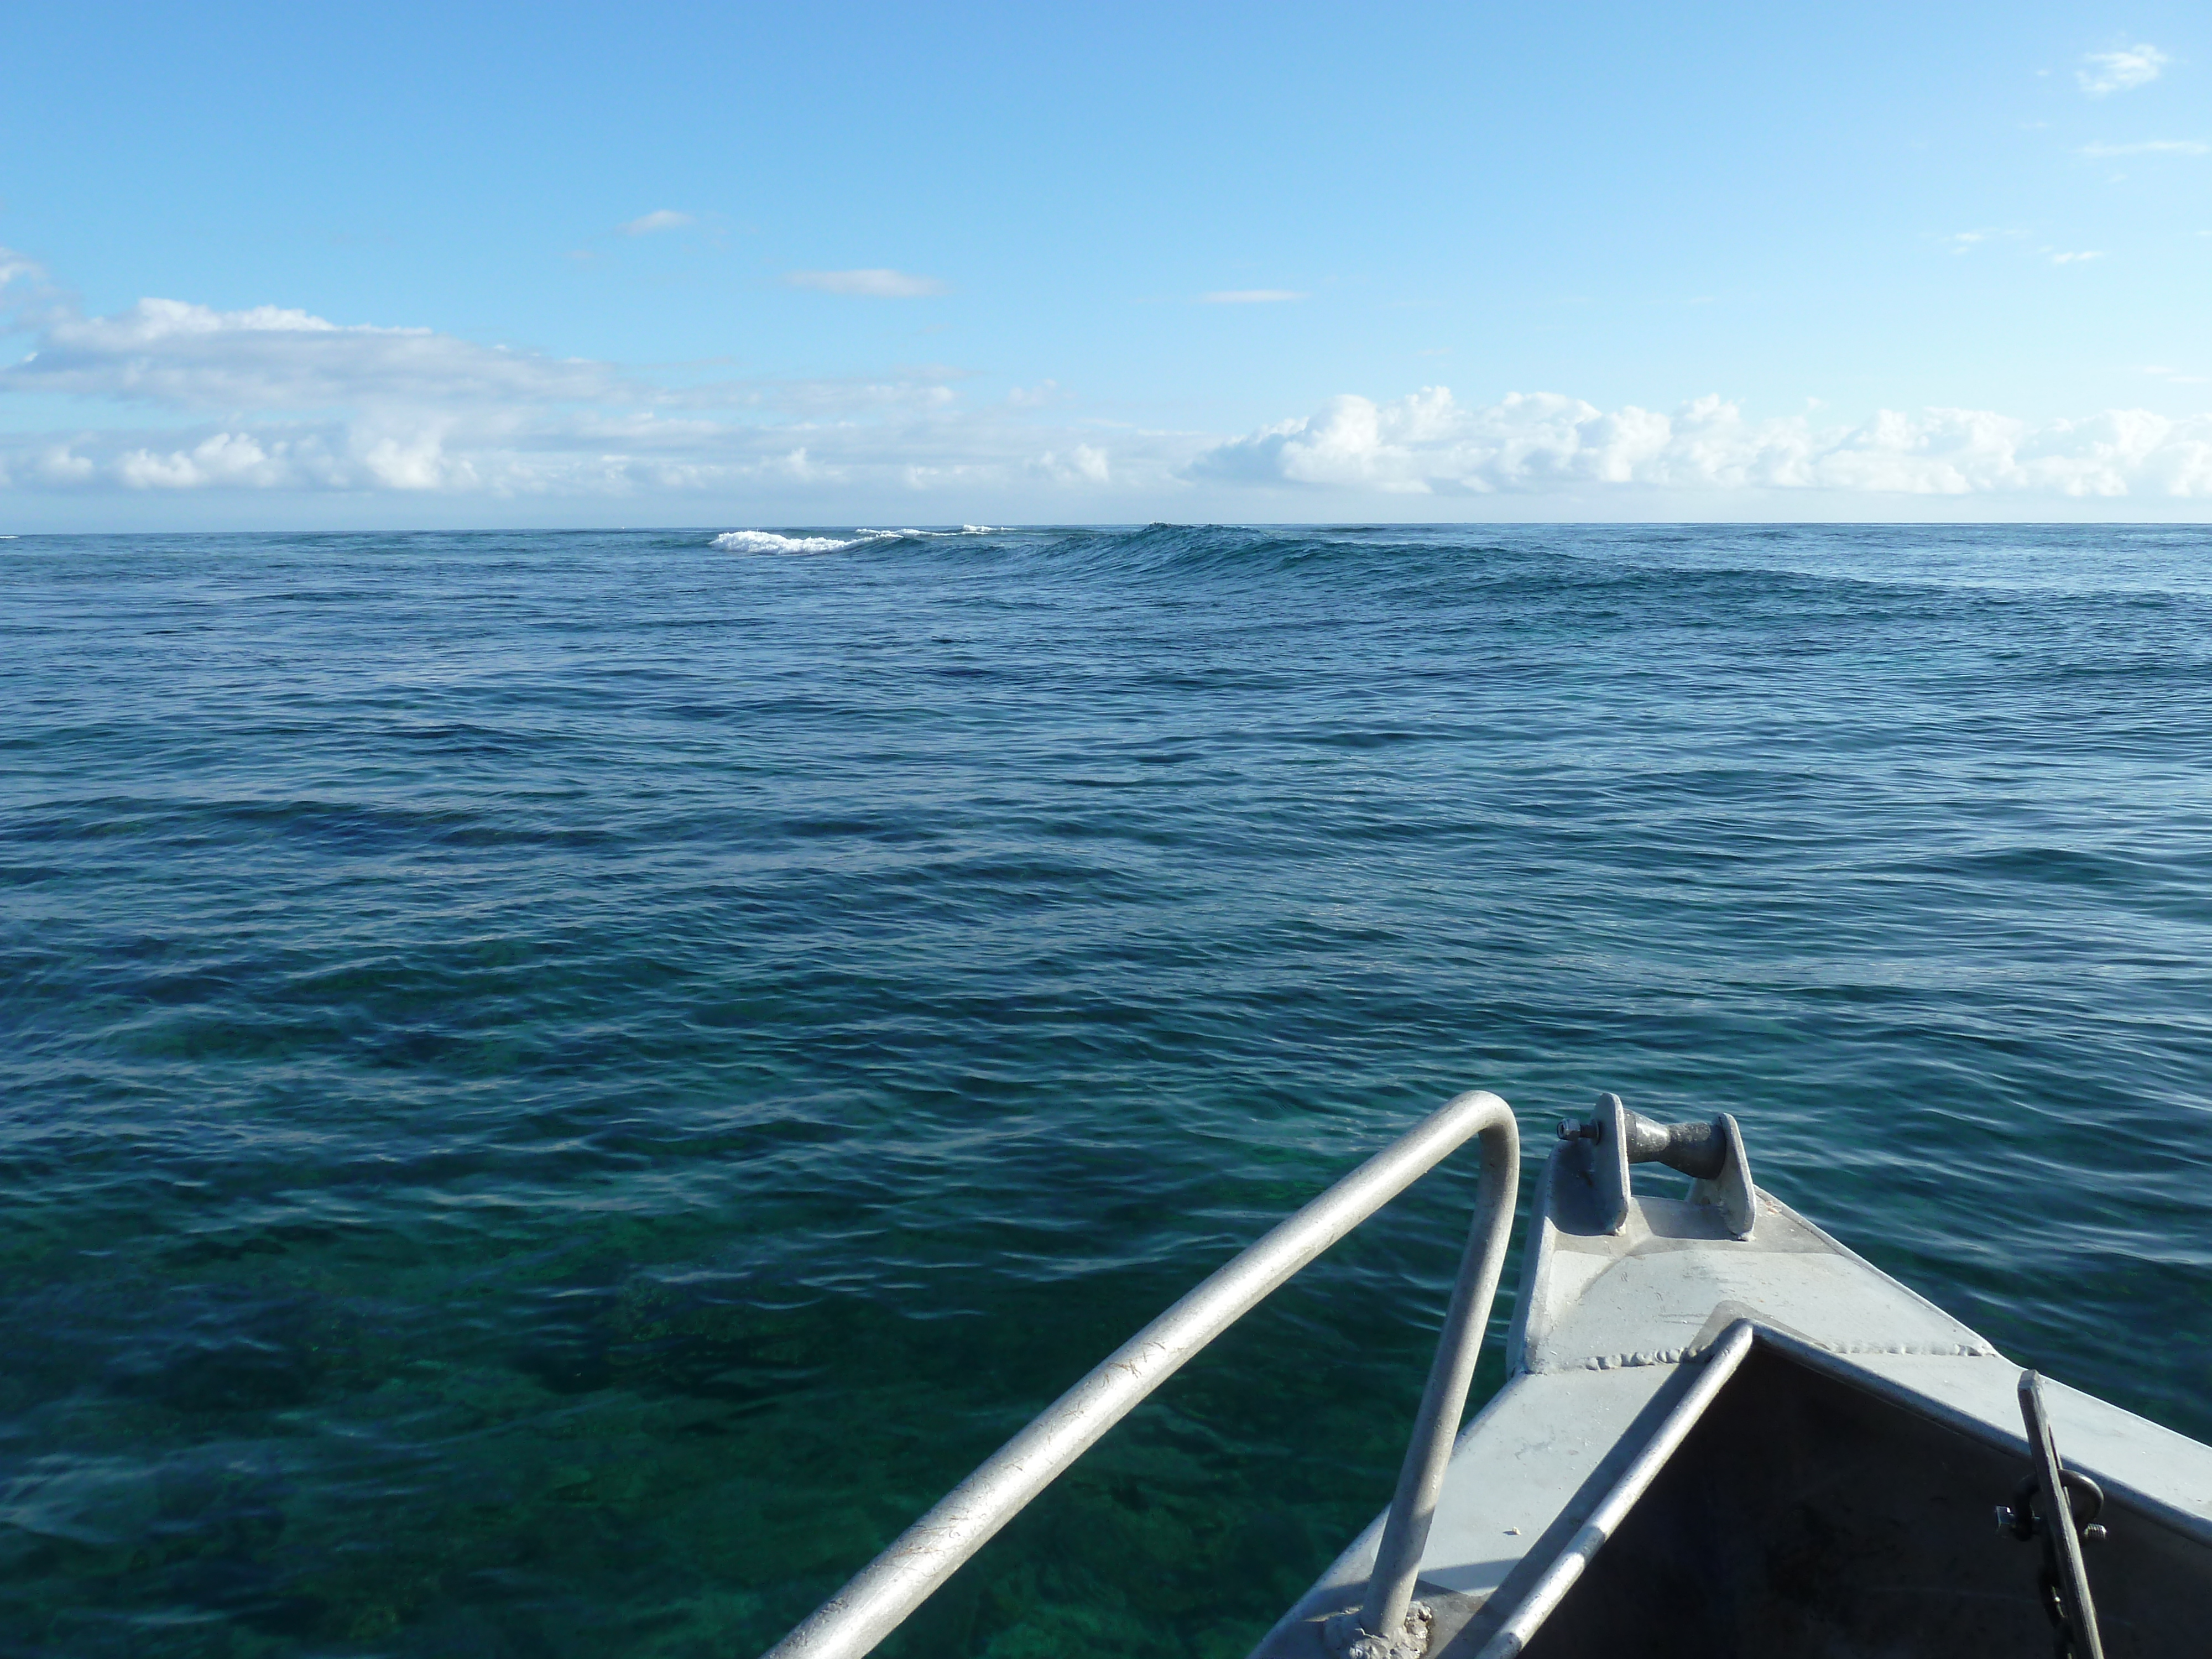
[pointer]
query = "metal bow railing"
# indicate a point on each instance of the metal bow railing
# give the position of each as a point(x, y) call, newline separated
point(882, 1594)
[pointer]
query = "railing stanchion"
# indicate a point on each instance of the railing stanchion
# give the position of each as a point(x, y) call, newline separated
point(882, 1594)
point(1421, 1481)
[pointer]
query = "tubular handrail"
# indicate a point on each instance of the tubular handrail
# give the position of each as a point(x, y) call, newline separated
point(881, 1595)
point(1717, 1364)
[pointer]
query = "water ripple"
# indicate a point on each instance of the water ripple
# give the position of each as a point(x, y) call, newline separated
point(560, 1087)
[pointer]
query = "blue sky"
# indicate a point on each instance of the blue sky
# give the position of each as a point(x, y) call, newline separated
point(837, 264)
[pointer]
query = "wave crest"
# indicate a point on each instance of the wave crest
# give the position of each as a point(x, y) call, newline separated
point(767, 541)
point(770, 541)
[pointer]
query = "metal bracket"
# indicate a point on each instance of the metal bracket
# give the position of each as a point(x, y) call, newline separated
point(1712, 1153)
point(1731, 1187)
point(1342, 1635)
point(2043, 1507)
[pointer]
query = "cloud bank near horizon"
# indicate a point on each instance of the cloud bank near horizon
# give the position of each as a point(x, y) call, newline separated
point(1428, 444)
point(272, 400)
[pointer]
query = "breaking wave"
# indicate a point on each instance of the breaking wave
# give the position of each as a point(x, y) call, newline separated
point(767, 541)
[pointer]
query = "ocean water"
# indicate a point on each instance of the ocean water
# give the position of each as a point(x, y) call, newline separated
point(559, 1088)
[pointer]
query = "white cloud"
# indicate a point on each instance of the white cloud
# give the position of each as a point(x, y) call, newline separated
point(2077, 258)
point(523, 452)
point(659, 219)
point(58, 464)
point(2151, 147)
point(191, 356)
point(1083, 464)
point(279, 399)
point(18, 268)
point(2121, 70)
point(1966, 241)
point(275, 400)
point(1428, 444)
point(232, 457)
point(868, 284)
point(1251, 296)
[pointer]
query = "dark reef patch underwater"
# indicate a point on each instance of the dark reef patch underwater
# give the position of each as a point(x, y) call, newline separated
point(560, 1087)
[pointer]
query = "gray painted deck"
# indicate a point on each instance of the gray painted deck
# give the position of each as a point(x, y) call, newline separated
point(1609, 1330)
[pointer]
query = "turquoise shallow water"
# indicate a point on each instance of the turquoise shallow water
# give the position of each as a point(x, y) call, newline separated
point(558, 1088)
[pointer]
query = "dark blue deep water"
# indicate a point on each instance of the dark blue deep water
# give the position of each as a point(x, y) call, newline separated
point(559, 1088)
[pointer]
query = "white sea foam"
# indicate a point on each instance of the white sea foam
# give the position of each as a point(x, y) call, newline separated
point(767, 541)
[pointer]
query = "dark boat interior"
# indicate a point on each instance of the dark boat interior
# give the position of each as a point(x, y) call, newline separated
point(1803, 1515)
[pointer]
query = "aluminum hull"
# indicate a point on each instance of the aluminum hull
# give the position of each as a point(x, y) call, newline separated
point(1835, 1498)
